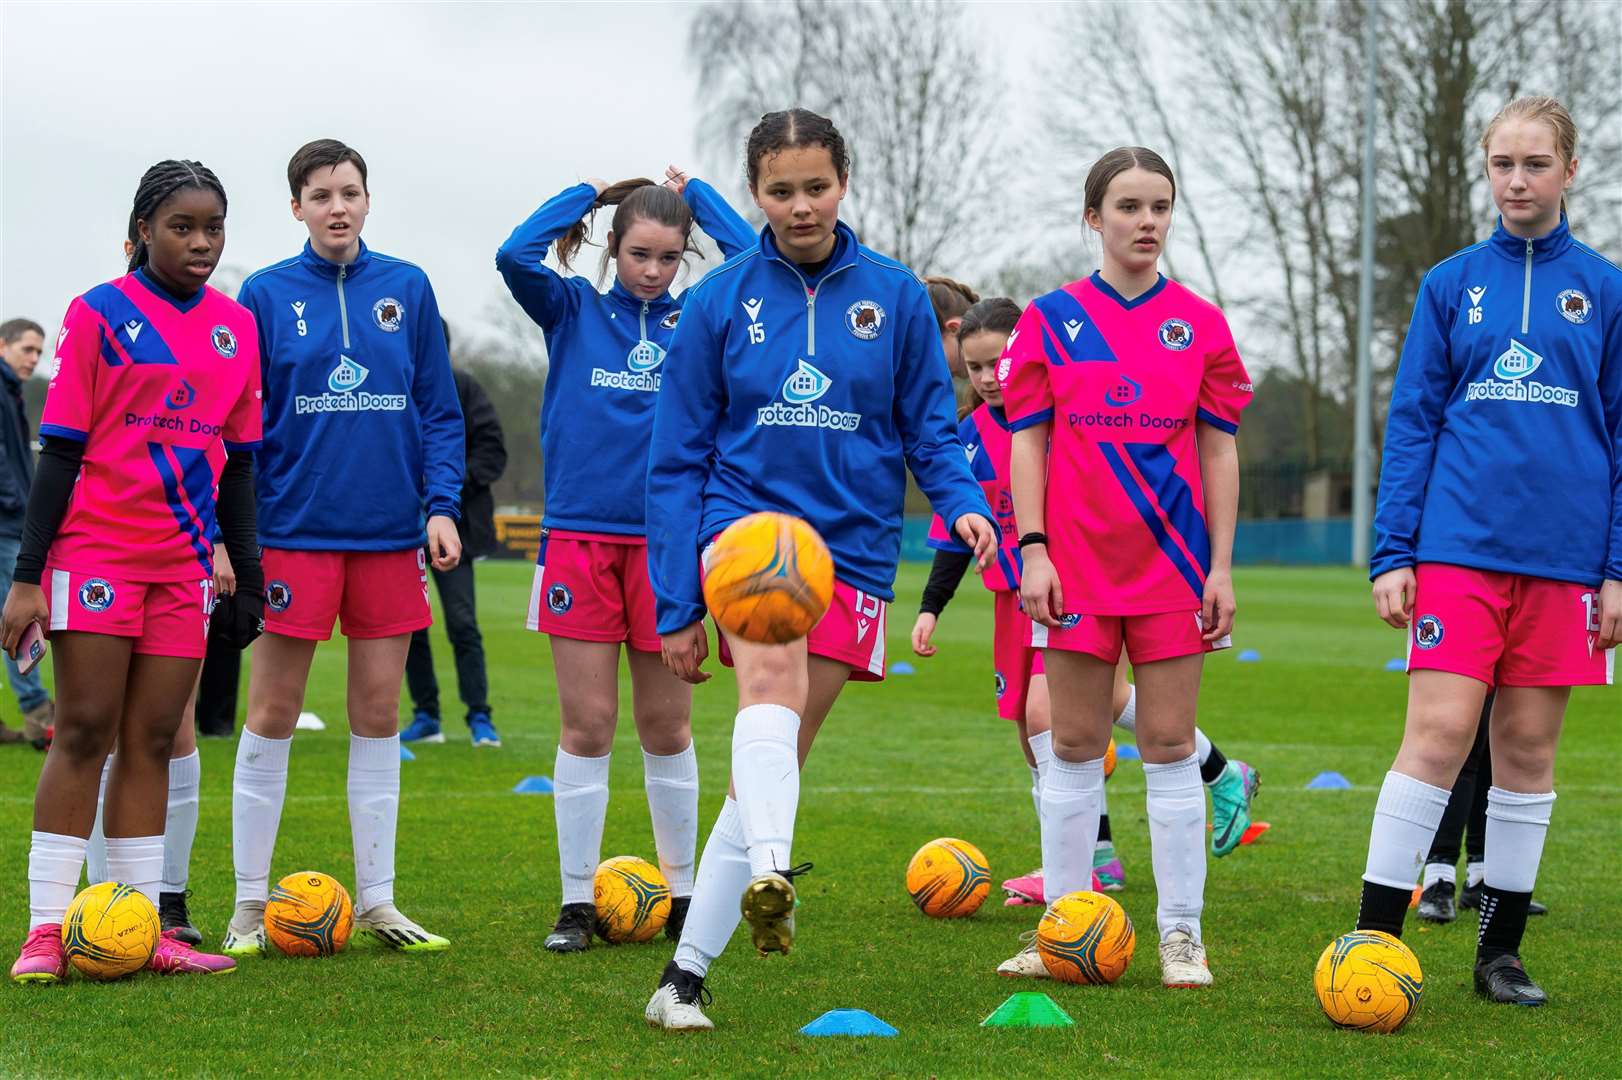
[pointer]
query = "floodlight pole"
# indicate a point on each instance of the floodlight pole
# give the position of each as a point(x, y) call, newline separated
point(1363, 417)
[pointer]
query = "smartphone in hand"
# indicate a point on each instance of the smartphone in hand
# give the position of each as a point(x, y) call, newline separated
point(31, 649)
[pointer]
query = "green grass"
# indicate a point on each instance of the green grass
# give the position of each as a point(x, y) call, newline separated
point(900, 763)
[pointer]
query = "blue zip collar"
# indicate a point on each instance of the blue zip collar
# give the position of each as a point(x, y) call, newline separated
point(627, 299)
point(1551, 245)
point(326, 269)
point(846, 252)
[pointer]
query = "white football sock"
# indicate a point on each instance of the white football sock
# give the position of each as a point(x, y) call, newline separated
point(1128, 719)
point(1406, 817)
point(258, 789)
point(1475, 872)
point(1202, 746)
point(374, 815)
point(136, 861)
point(1041, 745)
point(1435, 871)
point(579, 805)
point(95, 855)
point(723, 874)
point(766, 777)
point(54, 862)
point(1176, 802)
point(1036, 795)
point(1517, 825)
point(1072, 792)
point(180, 828)
point(671, 781)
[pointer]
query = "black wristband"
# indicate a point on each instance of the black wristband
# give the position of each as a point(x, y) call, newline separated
point(1032, 538)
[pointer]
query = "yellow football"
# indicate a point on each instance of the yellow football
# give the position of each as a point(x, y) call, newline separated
point(110, 930)
point(948, 878)
point(1369, 981)
point(1085, 937)
point(309, 914)
point(632, 899)
point(768, 578)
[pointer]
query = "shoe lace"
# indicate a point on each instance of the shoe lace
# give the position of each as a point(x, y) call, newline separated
point(1511, 972)
point(692, 990)
point(1181, 951)
point(41, 941)
point(795, 871)
point(1027, 941)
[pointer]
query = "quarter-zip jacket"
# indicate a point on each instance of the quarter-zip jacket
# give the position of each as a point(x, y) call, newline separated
point(363, 431)
point(806, 400)
point(604, 363)
point(16, 454)
point(1503, 450)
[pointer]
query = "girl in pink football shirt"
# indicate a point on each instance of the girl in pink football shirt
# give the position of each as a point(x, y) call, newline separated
point(155, 404)
point(1124, 391)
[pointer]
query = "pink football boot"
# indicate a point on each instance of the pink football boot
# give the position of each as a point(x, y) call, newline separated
point(43, 959)
point(175, 957)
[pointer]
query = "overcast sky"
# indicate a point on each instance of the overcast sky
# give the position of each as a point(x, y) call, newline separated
point(469, 115)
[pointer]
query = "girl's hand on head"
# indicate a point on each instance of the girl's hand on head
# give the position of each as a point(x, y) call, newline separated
point(598, 182)
point(24, 604)
point(1610, 614)
point(444, 545)
point(676, 180)
point(922, 631)
point(684, 651)
point(1394, 596)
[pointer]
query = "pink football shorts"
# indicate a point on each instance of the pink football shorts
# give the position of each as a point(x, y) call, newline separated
point(1016, 660)
point(1507, 629)
point(851, 632)
point(594, 587)
point(166, 618)
point(1147, 638)
point(377, 594)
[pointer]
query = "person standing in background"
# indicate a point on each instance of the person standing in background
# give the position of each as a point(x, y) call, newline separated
point(21, 343)
point(486, 461)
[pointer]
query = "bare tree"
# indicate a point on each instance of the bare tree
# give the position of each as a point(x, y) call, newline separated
point(905, 83)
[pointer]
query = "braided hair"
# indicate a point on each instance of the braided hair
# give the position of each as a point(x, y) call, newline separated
point(158, 185)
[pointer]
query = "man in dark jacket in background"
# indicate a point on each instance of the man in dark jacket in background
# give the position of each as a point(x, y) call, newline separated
point(486, 461)
point(21, 343)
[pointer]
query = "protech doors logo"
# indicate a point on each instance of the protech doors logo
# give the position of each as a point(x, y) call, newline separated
point(643, 363)
point(344, 393)
point(804, 386)
point(1510, 381)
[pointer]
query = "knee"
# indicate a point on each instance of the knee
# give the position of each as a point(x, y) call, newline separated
point(1437, 740)
point(1522, 765)
point(777, 676)
point(82, 740)
point(587, 729)
point(665, 734)
point(1163, 747)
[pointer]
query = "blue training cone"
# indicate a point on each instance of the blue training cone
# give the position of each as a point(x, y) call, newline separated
point(1328, 781)
point(1249, 656)
point(848, 1022)
point(1125, 751)
point(901, 667)
point(1396, 664)
point(534, 785)
point(406, 755)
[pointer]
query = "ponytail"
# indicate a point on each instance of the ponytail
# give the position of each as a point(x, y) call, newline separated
point(638, 198)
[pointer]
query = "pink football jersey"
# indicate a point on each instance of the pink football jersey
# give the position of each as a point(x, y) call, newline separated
point(158, 390)
point(986, 439)
point(1123, 383)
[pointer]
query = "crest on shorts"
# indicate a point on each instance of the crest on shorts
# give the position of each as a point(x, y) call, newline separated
point(1574, 306)
point(278, 595)
point(669, 321)
point(1002, 685)
point(225, 342)
point(388, 313)
point(1176, 334)
point(1069, 622)
point(96, 595)
point(865, 319)
point(1428, 631)
point(559, 599)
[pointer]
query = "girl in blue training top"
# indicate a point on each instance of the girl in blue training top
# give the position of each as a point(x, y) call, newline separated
point(1499, 528)
point(806, 375)
point(590, 593)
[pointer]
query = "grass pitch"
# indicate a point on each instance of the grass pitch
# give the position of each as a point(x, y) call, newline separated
point(916, 757)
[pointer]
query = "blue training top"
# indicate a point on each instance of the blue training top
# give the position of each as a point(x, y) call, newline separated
point(604, 353)
point(808, 398)
point(1503, 450)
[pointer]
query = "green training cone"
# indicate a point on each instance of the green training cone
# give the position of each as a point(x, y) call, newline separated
point(1028, 1008)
